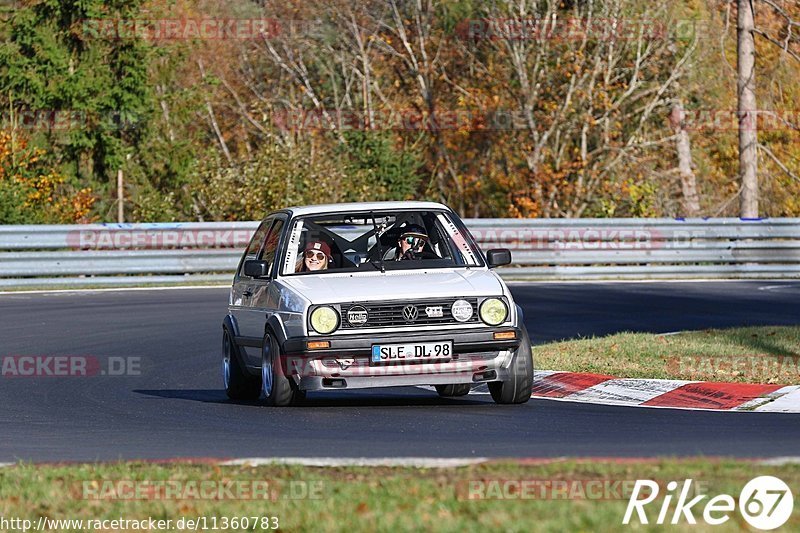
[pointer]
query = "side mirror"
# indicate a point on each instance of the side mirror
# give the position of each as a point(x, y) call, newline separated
point(256, 269)
point(498, 257)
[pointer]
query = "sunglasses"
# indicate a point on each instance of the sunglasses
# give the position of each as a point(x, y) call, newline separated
point(311, 254)
point(415, 242)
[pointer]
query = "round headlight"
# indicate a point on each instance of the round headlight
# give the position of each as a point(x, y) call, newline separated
point(462, 310)
point(493, 311)
point(324, 319)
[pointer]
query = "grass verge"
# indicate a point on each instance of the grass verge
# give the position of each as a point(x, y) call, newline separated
point(748, 355)
point(559, 496)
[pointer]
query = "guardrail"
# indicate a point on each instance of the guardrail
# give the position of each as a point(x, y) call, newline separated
point(110, 254)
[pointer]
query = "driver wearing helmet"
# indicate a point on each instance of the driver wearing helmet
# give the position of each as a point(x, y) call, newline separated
point(411, 243)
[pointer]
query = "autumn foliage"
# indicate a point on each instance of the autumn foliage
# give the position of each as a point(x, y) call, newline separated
point(499, 108)
point(33, 192)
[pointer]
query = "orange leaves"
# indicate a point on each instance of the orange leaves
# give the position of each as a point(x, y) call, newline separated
point(35, 190)
point(76, 208)
point(42, 188)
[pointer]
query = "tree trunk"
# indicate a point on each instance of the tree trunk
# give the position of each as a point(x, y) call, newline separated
point(218, 132)
point(748, 132)
point(213, 118)
point(691, 201)
point(120, 197)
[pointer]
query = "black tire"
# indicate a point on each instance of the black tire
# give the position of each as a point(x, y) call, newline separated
point(239, 383)
point(518, 388)
point(450, 391)
point(283, 390)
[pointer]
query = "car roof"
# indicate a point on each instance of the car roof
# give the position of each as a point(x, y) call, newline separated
point(363, 206)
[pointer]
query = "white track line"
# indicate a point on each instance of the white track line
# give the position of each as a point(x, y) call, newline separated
point(411, 462)
point(657, 280)
point(6, 465)
point(116, 289)
point(780, 461)
point(509, 282)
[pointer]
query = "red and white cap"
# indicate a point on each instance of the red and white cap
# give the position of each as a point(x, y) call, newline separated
point(320, 246)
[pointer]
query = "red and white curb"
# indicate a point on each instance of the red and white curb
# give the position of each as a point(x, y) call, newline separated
point(664, 393)
point(669, 393)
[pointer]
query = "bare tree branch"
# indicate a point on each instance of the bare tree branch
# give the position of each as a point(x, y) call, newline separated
point(778, 162)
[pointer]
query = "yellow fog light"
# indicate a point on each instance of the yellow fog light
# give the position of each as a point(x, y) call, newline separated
point(324, 319)
point(493, 311)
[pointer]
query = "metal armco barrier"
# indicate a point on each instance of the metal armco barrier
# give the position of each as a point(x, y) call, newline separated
point(111, 254)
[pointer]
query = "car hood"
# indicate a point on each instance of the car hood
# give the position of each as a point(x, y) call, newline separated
point(400, 285)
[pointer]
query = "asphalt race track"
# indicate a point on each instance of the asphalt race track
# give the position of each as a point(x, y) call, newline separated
point(177, 408)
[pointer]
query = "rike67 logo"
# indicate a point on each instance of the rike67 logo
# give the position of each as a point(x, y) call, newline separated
point(765, 503)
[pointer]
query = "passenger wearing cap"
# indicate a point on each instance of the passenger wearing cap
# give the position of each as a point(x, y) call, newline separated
point(316, 256)
point(411, 243)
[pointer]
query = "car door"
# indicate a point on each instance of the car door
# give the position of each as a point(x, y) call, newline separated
point(256, 307)
point(242, 289)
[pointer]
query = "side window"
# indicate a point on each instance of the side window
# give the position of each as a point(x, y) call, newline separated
point(255, 244)
point(258, 239)
point(271, 244)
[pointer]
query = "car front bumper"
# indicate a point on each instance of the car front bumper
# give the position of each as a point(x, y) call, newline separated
point(478, 358)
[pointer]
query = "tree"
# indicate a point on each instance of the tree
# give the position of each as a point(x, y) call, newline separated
point(691, 200)
point(590, 85)
point(747, 109)
point(32, 191)
point(54, 62)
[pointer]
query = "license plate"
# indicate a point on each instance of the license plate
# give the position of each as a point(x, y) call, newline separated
point(412, 352)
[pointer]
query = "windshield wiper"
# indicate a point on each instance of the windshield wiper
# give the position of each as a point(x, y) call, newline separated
point(378, 239)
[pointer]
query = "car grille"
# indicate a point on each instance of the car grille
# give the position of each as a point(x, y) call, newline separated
point(390, 314)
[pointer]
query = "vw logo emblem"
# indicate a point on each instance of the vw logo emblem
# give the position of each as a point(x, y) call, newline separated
point(410, 313)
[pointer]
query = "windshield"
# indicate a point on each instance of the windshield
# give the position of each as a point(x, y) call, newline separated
point(377, 241)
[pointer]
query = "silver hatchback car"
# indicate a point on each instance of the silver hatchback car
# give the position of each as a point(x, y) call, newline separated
point(362, 295)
